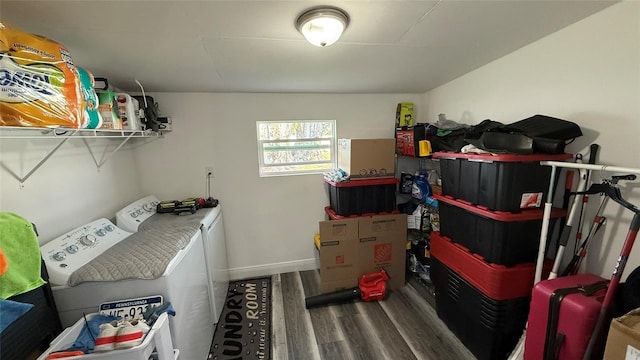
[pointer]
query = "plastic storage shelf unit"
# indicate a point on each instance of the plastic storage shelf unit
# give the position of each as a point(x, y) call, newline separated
point(499, 237)
point(157, 342)
point(367, 196)
point(489, 328)
point(505, 182)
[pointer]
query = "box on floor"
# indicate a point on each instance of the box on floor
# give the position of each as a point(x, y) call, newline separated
point(623, 341)
point(352, 247)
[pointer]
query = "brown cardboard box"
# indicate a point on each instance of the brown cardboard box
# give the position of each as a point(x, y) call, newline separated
point(352, 247)
point(367, 158)
point(383, 240)
point(623, 341)
point(338, 254)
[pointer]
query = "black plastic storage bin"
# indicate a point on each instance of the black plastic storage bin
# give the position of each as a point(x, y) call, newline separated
point(357, 197)
point(489, 328)
point(499, 237)
point(505, 182)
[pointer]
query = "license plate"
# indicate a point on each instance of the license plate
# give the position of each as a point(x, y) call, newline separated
point(130, 309)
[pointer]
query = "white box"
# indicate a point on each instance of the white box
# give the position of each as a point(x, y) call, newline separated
point(158, 338)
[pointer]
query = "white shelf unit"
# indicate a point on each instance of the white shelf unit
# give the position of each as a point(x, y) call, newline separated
point(61, 135)
point(157, 342)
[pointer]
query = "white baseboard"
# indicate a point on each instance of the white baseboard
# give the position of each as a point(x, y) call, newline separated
point(272, 269)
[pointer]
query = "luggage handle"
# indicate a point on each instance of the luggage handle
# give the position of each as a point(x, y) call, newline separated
point(554, 340)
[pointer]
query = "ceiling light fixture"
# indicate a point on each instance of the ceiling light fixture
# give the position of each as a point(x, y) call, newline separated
point(323, 25)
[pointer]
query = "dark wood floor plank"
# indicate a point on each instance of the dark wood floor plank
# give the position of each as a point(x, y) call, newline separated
point(278, 326)
point(359, 338)
point(323, 318)
point(421, 328)
point(391, 342)
point(310, 282)
point(301, 340)
point(337, 350)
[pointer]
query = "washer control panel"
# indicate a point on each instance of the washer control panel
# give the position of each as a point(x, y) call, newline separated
point(69, 252)
point(135, 213)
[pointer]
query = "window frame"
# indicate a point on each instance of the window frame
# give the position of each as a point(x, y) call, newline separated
point(333, 149)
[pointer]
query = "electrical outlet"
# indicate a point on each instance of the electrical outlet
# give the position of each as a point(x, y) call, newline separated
point(208, 171)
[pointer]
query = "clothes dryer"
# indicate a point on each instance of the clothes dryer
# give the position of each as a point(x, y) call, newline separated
point(141, 216)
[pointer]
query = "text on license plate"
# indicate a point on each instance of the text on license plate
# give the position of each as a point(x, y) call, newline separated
point(131, 308)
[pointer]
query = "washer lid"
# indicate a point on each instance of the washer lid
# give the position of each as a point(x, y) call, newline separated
point(132, 215)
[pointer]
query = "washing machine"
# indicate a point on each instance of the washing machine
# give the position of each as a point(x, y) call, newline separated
point(141, 216)
point(184, 282)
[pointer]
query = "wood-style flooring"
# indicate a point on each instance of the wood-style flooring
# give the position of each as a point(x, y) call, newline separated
point(403, 326)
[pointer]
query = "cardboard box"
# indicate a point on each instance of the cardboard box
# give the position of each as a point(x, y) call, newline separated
point(383, 244)
point(338, 248)
point(352, 247)
point(367, 158)
point(405, 115)
point(623, 341)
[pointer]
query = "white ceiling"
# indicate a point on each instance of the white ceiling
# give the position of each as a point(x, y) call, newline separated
point(252, 46)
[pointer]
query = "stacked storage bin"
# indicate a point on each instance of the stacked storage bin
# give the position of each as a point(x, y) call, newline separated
point(370, 164)
point(365, 196)
point(483, 258)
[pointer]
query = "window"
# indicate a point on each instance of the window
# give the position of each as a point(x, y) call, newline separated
point(296, 147)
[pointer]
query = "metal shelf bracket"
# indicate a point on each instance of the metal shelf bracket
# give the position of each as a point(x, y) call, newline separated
point(64, 135)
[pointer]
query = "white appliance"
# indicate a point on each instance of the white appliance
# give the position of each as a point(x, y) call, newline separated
point(214, 243)
point(71, 251)
point(184, 284)
point(134, 214)
point(215, 254)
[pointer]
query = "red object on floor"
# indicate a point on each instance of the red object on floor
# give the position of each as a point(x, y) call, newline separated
point(373, 287)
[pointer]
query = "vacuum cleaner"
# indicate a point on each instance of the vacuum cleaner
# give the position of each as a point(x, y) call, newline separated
point(371, 287)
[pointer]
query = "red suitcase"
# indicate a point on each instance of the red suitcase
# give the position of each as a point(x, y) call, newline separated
point(578, 301)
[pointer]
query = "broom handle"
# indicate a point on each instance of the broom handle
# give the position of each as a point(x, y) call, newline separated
point(572, 165)
point(545, 228)
point(566, 230)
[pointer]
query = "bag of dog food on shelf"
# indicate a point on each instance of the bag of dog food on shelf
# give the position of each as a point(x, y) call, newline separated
point(39, 84)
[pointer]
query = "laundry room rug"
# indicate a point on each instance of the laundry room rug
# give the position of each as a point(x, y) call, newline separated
point(244, 328)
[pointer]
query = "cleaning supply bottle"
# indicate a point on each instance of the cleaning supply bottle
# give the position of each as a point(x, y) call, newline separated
point(421, 189)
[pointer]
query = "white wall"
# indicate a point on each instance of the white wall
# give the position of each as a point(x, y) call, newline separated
point(68, 190)
point(588, 73)
point(270, 222)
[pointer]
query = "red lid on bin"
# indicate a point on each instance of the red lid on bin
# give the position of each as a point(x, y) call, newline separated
point(524, 215)
point(334, 216)
point(498, 282)
point(501, 157)
point(364, 182)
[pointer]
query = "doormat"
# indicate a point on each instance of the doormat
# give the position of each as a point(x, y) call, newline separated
point(244, 328)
